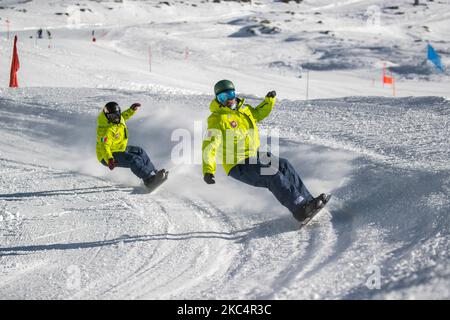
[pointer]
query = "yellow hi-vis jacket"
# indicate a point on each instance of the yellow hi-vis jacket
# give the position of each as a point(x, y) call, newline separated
point(233, 135)
point(111, 137)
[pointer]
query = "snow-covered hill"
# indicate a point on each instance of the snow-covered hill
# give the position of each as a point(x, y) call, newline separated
point(69, 228)
point(261, 45)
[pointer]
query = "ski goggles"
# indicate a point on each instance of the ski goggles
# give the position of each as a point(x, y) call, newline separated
point(223, 97)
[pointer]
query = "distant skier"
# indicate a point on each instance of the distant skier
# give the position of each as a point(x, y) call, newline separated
point(112, 150)
point(232, 131)
point(39, 33)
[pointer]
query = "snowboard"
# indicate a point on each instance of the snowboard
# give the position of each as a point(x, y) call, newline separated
point(315, 212)
point(156, 183)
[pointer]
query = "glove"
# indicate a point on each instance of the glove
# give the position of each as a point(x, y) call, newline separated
point(135, 106)
point(271, 94)
point(111, 164)
point(209, 178)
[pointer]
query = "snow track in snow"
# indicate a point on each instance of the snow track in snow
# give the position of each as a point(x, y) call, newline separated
point(70, 229)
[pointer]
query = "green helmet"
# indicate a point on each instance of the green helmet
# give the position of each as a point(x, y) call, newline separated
point(223, 85)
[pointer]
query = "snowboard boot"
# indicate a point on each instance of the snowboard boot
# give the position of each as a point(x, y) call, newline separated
point(159, 175)
point(308, 209)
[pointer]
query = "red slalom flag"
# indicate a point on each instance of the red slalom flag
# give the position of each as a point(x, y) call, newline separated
point(388, 80)
point(15, 65)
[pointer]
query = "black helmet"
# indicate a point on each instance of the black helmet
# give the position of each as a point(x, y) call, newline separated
point(112, 112)
point(223, 85)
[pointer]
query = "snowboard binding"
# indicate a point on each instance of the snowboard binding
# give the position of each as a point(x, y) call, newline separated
point(307, 211)
point(156, 180)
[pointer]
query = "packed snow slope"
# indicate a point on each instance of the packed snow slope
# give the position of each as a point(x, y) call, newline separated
point(261, 45)
point(71, 229)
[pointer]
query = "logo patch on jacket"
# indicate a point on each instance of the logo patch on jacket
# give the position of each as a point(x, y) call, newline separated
point(104, 139)
point(117, 136)
point(233, 124)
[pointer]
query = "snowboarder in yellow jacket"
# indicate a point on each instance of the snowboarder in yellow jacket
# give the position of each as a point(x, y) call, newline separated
point(233, 137)
point(112, 149)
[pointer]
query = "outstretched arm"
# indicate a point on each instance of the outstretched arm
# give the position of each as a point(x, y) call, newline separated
point(131, 111)
point(265, 107)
